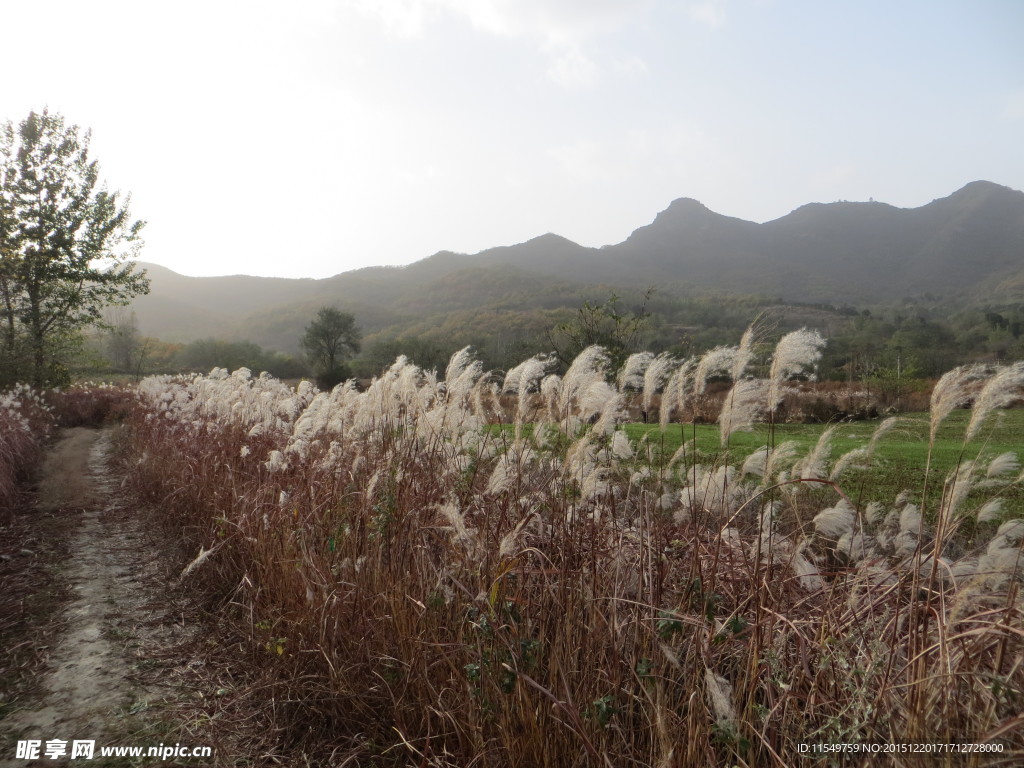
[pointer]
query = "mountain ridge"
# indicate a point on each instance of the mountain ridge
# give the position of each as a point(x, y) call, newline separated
point(968, 245)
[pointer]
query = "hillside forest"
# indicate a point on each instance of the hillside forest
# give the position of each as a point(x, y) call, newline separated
point(902, 295)
point(900, 345)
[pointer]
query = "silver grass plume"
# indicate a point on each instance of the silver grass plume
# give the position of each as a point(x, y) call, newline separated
point(465, 383)
point(525, 377)
point(579, 452)
point(958, 484)
point(680, 454)
point(872, 511)
point(716, 491)
point(602, 400)
point(779, 457)
point(951, 391)
point(621, 447)
point(668, 401)
point(910, 520)
point(594, 481)
point(513, 464)
point(611, 414)
point(588, 368)
point(655, 375)
point(1003, 464)
point(522, 379)
point(1012, 531)
point(756, 462)
point(198, 561)
point(741, 407)
point(856, 546)
point(835, 521)
point(719, 696)
point(806, 571)
point(550, 392)
point(631, 375)
point(883, 429)
point(460, 531)
point(853, 457)
point(457, 364)
point(794, 354)
point(714, 361)
point(990, 511)
point(510, 540)
point(745, 351)
point(849, 459)
point(675, 395)
point(511, 381)
point(998, 392)
point(813, 465)
point(768, 527)
point(500, 479)
point(1003, 556)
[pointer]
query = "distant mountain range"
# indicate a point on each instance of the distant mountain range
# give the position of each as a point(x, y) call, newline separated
point(968, 247)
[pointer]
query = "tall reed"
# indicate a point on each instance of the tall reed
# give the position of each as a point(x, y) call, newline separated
point(25, 423)
point(426, 589)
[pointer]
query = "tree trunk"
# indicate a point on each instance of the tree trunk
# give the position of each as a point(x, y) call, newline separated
point(38, 337)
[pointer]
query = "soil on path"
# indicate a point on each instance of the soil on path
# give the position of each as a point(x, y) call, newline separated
point(89, 687)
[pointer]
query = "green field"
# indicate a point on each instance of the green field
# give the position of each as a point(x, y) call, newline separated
point(898, 462)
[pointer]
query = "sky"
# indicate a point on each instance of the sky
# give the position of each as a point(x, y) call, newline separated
point(309, 138)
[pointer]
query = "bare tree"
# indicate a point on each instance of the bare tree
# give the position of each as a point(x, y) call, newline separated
point(125, 347)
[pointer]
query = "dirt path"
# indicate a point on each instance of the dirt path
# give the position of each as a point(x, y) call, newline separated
point(90, 688)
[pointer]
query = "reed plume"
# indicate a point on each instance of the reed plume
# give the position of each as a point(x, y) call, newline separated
point(795, 353)
point(999, 391)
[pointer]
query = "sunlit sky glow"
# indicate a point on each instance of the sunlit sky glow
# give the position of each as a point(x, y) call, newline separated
point(309, 138)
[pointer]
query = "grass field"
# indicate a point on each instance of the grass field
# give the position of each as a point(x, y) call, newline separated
point(424, 587)
point(898, 463)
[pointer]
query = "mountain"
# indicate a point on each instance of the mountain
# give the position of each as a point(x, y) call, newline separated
point(968, 247)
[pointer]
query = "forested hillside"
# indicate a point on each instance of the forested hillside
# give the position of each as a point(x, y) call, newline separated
point(930, 285)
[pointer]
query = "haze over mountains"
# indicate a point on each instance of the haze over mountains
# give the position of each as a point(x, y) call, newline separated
point(968, 247)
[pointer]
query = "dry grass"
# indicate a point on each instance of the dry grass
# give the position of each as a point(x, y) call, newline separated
point(416, 589)
point(32, 548)
point(25, 423)
point(90, 405)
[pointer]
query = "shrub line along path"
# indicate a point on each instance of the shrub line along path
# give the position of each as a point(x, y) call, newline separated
point(90, 688)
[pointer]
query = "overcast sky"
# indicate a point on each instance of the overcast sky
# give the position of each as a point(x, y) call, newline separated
point(308, 138)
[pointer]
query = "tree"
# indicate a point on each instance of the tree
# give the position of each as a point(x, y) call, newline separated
point(616, 329)
point(67, 245)
point(125, 347)
point(330, 340)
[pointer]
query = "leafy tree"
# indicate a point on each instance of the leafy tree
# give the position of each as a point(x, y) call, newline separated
point(67, 245)
point(330, 340)
point(614, 327)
